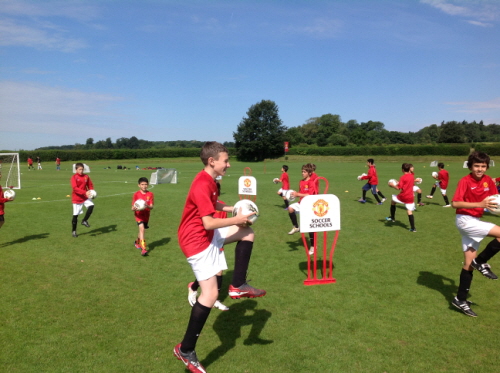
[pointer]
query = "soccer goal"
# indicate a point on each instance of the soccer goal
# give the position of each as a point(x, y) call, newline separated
point(434, 163)
point(10, 171)
point(164, 176)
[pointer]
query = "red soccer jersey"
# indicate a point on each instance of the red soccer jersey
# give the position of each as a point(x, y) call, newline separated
point(30, 161)
point(144, 214)
point(285, 181)
point(2, 201)
point(200, 202)
point(443, 178)
point(308, 187)
point(80, 185)
point(472, 190)
point(406, 186)
point(372, 176)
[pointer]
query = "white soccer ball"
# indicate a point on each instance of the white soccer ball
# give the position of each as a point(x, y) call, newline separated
point(276, 180)
point(359, 177)
point(495, 199)
point(9, 194)
point(247, 207)
point(434, 174)
point(140, 204)
point(288, 195)
point(393, 182)
point(418, 180)
point(93, 193)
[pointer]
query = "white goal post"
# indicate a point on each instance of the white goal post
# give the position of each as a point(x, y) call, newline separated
point(164, 176)
point(10, 170)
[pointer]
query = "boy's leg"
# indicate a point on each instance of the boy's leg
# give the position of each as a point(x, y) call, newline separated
point(73, 225)
point(481, 262)
point(411, 219)
point(447, 202)
point(286, 202)
point(460, 301)
point(293, 218)
point(374, 192)
point(432, 191)
point(380, 194)
point(87, 216)
point(2, 220)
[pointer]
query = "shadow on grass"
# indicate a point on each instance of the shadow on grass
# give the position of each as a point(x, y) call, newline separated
point(228, 327)
point(446, 286)
point(99, 231)
point(397, 223)
point(319, 267)
point(26, 239)
point(158, 243)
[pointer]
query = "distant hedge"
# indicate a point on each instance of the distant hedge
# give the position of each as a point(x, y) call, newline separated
point(492, 150)
point(459, 149)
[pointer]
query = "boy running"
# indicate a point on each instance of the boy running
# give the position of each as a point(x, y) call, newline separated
point(405, 197)
point(201, 238)
point(372, 183)
point(285, 184)
point(142, 216)
point(81, 185)
point(442, 181)
point(471, 198)
point(2, 205)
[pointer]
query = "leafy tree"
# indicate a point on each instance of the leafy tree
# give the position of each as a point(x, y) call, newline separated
point(90, 143)
point(452, 132)
point(109, 143)
point(294, 136)
point(261, 134)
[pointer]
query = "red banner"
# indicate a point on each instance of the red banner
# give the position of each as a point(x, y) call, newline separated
point(286, 146)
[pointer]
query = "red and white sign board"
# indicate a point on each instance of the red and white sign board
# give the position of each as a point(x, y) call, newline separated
point(320, 213)
point(247, 185)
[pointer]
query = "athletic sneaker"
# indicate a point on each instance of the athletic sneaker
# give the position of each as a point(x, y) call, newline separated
point(447, 206)
point(86, 223)
point(74, 234)
point(414, 230)
point(429, 196)
point(189, 359)
point(245, 291)
point(389, 219)
point(220, 306)
point(294, 230)
point(463, 306)
point(380, 203)
point(383, 200)
point(484, 269)
point(421, 204)
point(362, 200)
point(192, 294)
point(144, 252)
point(137, 245)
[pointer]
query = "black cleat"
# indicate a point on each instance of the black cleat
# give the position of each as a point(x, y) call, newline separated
point(86, 223)
point(463, 306)
point(484, 269)
point(74, 234)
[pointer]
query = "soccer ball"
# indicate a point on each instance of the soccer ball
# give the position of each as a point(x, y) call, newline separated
point(418, 180)
point(140, 204)
point(93, 193)
point(288, 195)
point(434, 174)
point(276, 180)
point(360, 176)
point(247, 207)
point(496, 199)
point(9, 194)
point(393, 182)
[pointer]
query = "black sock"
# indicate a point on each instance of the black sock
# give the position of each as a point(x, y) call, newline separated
point(293, 218)
point(219, 282)
point(199, 316)
point(489, 251)
point(74, 222)
point(380, 194)
point(286, 203)
point(411, 218)
point(419, 197)
point(433, 190)
point(242, 254)
point(393, 212)
point(465, 282)
point(364, 194)
point(88, 213)
point(195, 286)
point(376, 197)
point(446, 200)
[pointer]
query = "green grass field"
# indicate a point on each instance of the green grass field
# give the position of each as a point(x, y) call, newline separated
point(93, 304)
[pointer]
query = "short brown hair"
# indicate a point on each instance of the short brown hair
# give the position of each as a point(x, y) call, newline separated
point(478, 157)
point(211, 149)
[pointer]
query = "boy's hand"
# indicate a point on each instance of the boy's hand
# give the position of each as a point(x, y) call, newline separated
point(244, 219)
point(87, 193)
point(489, 203)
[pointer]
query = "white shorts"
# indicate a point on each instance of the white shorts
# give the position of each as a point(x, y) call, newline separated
point(409, 206)
point(295, 206)
point(415, 188)
point(443, 191)
point(78, 207)
point(211, 260)
point(473, 230)
point(282, 191)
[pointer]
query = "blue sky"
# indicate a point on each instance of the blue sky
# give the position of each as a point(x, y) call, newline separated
point(190, 70)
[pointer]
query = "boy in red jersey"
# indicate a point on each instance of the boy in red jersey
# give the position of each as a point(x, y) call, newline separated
point(416, 188)
point(201, 237)
point(2, 204)
point(285, 184)
point(372, 183)
point(195, 285)
point(405, 197)
point(81, 185)
point(307, 186)
point(442, 181)
point(142, 216)
point(30, 164)
point(472, 196)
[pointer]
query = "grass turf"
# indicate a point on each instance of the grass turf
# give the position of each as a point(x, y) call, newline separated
point(93, 304)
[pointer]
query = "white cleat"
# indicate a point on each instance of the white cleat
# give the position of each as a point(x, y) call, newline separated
point(294, 230)
point(220, 306)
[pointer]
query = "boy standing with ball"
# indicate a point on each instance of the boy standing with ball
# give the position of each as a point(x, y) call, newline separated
point(472, 196)
point(2, 204)
point(201, 238)
point(285, 184)
point(142, 216)
point(405, 197)
point(442, 181)
point(81, 185)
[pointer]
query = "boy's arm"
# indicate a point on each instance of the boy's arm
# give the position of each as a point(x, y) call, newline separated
point(219, 206)
point(485, 203)
point(209, 222)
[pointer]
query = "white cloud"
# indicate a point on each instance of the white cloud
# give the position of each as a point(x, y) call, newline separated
point(318, 28)
point(477, 106)
point(479, 13)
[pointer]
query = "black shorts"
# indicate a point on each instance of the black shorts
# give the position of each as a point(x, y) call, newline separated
point(2, 218)
point(146, 226)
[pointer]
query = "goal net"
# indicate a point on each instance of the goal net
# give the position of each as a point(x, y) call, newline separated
point(10, 171)
point(164, 176)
